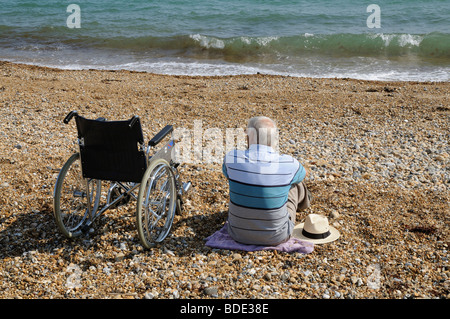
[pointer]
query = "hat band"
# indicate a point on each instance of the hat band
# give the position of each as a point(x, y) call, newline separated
point(315, 236)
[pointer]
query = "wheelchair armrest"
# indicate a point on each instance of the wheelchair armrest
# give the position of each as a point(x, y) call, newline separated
point(158, 137)
point(134, 119)
point(69, 117)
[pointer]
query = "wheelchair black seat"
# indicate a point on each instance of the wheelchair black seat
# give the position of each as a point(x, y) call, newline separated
point(110, 150)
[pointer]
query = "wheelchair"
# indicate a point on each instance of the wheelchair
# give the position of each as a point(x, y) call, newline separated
point(113, 154)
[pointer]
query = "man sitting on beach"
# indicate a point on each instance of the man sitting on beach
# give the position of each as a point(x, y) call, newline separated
point(266, 188)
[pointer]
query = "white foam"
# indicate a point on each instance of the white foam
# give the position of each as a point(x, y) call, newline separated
point(409, 39)
point(315, 69)
point(403, 39)
point(208, 42)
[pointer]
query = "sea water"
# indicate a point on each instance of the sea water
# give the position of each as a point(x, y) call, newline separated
point(377, 40)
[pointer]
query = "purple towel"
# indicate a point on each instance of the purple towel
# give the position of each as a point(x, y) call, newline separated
point(221, 239)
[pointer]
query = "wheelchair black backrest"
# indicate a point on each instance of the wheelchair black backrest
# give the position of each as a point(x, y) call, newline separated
point(109, 150)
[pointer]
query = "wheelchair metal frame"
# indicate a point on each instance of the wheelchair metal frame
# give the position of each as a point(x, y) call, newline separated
point(120, 193)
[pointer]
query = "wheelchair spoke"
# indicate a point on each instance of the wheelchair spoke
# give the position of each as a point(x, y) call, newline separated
point(157, 208)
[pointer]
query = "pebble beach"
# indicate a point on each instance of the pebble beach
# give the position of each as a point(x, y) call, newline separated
point(377, 153)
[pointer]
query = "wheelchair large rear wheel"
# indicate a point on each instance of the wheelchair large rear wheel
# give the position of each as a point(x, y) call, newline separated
point(156, 203)
point(74, 198)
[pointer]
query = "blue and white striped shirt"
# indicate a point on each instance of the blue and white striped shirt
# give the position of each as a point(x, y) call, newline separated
point(259, 182)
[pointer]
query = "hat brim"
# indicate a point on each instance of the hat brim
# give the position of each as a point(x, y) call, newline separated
point(297, 233)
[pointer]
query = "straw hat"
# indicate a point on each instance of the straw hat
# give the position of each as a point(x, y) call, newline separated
point(316, 230)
